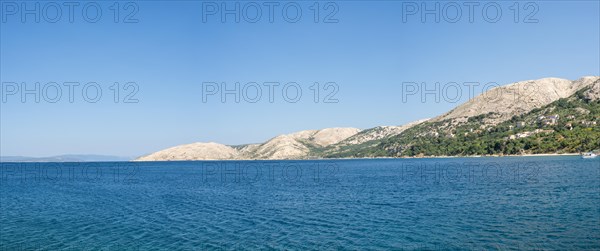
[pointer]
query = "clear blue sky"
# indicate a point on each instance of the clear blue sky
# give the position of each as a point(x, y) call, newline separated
point(170, 52)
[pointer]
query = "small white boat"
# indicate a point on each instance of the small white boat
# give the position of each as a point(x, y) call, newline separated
point(588, 155)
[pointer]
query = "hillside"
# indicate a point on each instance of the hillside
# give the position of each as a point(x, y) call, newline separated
point(195, 151)
point(298, 145)
point(568, 125)
point(365, 139)
point(548, 115)
point(515, 99)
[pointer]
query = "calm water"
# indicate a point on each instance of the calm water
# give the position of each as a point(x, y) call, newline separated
point(426, 204)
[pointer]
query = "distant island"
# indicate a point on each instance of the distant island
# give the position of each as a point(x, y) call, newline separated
point(545, 116)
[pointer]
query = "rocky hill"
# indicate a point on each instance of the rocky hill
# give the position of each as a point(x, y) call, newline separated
point(517, 98)
point(296, 145)
point(195, 151)
point(486, 124)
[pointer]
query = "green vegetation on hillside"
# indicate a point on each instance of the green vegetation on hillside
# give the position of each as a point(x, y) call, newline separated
point(569, 125)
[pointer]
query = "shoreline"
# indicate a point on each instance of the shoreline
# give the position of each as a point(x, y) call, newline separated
point(320, 159)
point(376, 158)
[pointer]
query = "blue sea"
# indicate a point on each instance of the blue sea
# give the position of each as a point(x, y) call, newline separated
point(508, 203)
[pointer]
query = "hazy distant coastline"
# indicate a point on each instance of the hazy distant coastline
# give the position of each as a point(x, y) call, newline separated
point(66, 158)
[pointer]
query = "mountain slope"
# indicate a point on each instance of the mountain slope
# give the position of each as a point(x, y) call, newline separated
point(194, 151)
point(366, 139)
point(517, 98)
point(567, 125)
point(503, 120)
point(377, 133)
point(298, 145)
